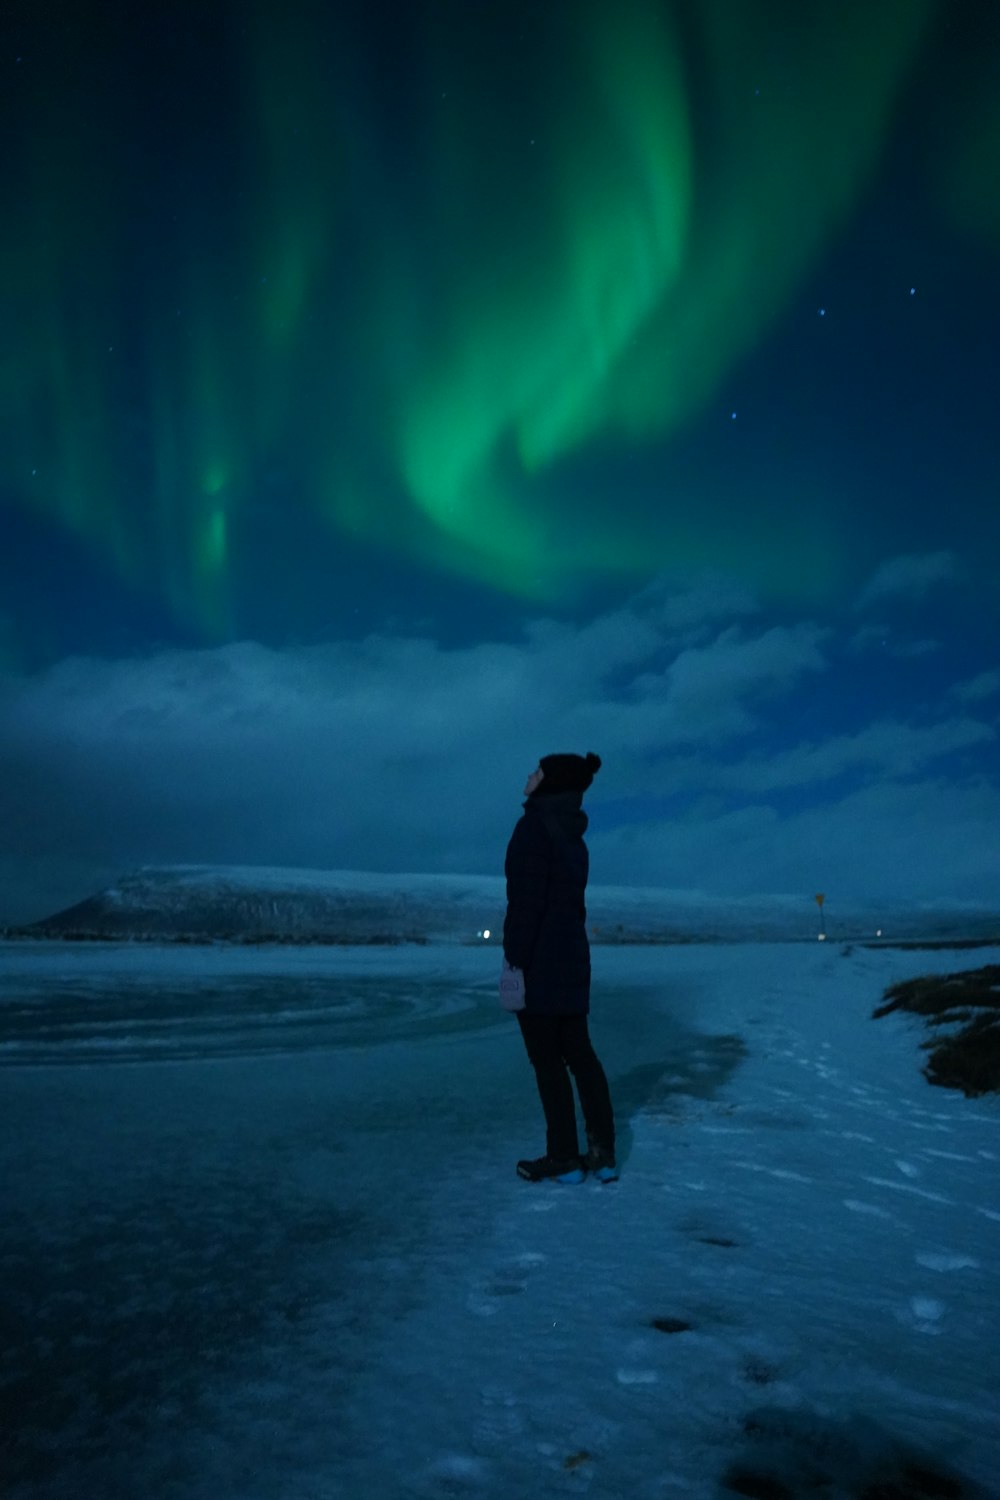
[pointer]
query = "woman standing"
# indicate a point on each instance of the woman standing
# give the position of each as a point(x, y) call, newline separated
point(546, 975)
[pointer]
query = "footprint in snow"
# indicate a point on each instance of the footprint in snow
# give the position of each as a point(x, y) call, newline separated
point(924, 1314)
point(956, 1262)
point(639, 1372)
point(857, 1207)
point(637, 1377)
point(506, 1281)
point(758, 1371)
point(671, 1325)
point(707, 1233)
point(458, 1471)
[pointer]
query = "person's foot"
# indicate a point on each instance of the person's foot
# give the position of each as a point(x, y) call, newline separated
point(551, 1168)
point(600, 1163)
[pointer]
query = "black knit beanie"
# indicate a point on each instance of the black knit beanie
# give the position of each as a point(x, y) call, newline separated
point(567, 773)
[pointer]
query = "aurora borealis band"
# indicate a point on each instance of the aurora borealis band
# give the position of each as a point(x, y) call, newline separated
point(469, 294)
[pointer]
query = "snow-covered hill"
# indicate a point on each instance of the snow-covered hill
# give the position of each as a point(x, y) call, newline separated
point(251, 904)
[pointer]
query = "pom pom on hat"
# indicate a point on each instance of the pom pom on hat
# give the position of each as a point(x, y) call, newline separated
point(567, 773)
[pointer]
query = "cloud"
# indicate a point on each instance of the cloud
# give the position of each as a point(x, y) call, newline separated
point(977, 689)
point(889, 749)
point(913, 649)
point(888, 842)
point(711, 688)
point(887, 642)
point(397, 753)
point(908, 577)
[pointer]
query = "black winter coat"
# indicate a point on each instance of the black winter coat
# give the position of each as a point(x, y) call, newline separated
point(545, 929)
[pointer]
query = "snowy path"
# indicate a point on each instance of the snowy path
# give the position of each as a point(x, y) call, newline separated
point(313, 1273)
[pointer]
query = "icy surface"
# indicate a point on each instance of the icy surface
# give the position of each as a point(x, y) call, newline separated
point(262, 1235)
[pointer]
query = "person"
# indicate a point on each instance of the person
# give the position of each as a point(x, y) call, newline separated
point(547, 968)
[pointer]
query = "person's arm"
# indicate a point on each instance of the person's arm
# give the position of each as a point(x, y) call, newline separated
point(527, 871)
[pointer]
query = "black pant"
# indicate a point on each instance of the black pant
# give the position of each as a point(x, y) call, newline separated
point(558, 1046)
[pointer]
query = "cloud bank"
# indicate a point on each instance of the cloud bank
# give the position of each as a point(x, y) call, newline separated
point(722, 771)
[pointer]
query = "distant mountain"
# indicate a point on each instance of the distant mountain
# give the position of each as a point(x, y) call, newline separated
point(237, 904)
point(255, 905)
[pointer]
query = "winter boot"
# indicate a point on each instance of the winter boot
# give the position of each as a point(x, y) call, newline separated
point(549, 1168)
point(600, 1163)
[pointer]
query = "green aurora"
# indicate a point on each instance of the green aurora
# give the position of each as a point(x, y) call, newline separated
point(413, 274)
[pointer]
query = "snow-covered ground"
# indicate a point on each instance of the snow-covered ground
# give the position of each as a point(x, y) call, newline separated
point(262, 1237)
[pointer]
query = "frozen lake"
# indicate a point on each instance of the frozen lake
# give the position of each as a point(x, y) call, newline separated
point(262, 1234)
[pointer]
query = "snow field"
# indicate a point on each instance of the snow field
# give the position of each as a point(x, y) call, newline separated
point(824, 1226)
point(311, 1272)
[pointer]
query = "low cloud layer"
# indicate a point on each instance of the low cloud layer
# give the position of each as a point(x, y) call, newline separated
point(909, 577)
point(395, 753)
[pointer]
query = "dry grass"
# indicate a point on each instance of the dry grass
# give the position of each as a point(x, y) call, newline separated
point(966, 1055)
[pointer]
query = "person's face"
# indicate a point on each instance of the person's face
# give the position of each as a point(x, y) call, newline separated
point(535, 779)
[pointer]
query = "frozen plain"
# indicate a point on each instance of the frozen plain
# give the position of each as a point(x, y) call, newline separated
point(262, 1235)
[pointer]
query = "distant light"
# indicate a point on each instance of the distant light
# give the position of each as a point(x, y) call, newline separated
point(733, 418)
point(821, 938)
point(822, 312)
point(878, 932)
point(486, 933)
point(913, 291)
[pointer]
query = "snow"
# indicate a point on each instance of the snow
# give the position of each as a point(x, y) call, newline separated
point(263, 1237)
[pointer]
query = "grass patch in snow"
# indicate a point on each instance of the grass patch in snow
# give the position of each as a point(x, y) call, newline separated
point(964, 1009)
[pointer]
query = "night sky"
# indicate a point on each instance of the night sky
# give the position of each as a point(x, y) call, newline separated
point(394, 393)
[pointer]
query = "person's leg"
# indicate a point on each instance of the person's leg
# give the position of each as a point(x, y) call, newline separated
point(542, 1041)
point(591, 1082)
